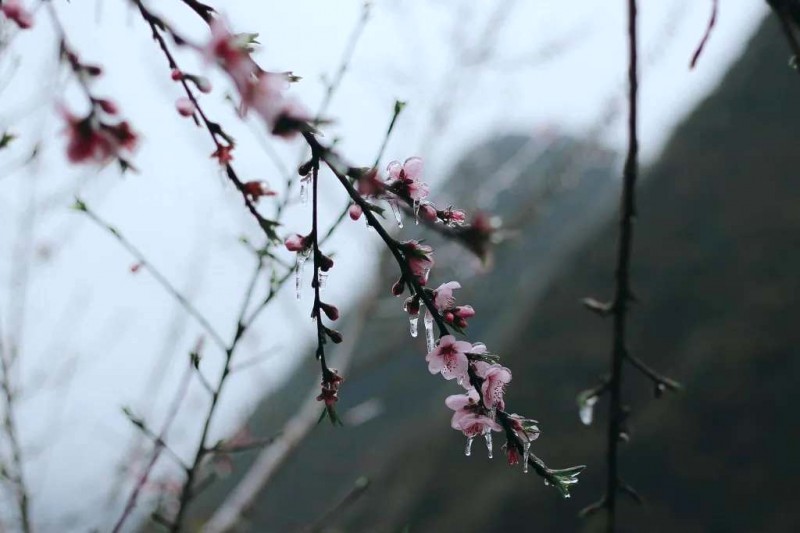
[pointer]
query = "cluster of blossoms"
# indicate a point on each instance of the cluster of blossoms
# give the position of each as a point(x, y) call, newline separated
point(98, 137)
point(15, 11)
point(403, 184)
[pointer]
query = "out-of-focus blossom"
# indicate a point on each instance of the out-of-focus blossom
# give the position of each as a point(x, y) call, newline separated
point(297, 243)
point(14, 10)
point(256, 189)
point(185, 107)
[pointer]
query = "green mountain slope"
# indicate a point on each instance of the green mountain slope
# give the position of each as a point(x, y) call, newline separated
point(716, 267)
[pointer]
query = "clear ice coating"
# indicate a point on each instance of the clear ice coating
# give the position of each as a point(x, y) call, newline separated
point(303, 192)
point(468, 448)
point(412, 322)
point(298, 270)
point(586, 410)
point(488, 437)
point(526, 453)
point(323, 279)
point(416, 212)
point(431, 343)
point(396, 212)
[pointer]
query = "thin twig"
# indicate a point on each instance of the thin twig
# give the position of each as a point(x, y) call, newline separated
point(622, 292)
point(159, 277)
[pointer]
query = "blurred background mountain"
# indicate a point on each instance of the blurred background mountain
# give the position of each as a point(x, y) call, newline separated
point(716, 263)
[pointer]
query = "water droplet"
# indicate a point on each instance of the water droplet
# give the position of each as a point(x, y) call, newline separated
point(396, 212)
point(488, 437)
point(412, 322)
point(430, 341)
point(526, 453)
point(303, 192)
point(586, 410)
point(468, 449)
point(546, 483)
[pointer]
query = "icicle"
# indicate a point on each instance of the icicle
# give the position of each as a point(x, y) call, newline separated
point(431, 343)
point(460, 381)
point(323, 280)
point(396, 212)
point(488, 437)
point(303, 192)
point(425, 273)
point(526, 453)
point(468, 449)
point(586, 411)
point(412, 322)
point(298, 270)
point(416, 212)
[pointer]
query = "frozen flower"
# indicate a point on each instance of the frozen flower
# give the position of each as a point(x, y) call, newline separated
point(185, 107)
point(406, 179)
point(14, 10)
point(495, 377)
point(428, 212)
point(449, 358)
point(420, 259)
point(368, 182)
point(453, 217)
point(525, 427)
point(331, 381)
point(443, 296)
point(468, 417)
point(297, 243)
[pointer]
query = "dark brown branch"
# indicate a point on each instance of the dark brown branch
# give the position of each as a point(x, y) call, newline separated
point(622, 290)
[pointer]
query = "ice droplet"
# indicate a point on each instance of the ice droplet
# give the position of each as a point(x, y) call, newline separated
point(303, 192)
point(586, 410)
point(526, 453)
point(546, 483)
point(412, 322)
point(468, 449)
point(298, 270)
point(323, 280)
point(396, 212)
point(431, 343)
point(488, 437)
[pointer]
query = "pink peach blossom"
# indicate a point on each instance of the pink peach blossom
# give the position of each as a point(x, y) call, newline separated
point(443, 296)
point(449, 358)
point(495, 378)
point(420, 259)
point(406, 179)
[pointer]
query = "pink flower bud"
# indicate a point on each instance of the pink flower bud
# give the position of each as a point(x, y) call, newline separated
point(325, 263)
point(330, 311)
point(202, 83)
point(398, 287)
point(176, 75)
point(428, 212)
point(185, 107)
point(107, 105)
point(464, 311)
point(355, 211)
point(296, 243)
point(448, 317)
